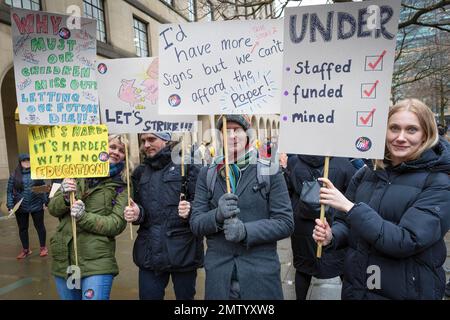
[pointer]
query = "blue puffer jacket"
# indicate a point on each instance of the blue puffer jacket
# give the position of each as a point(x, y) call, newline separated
point(396, 228)
point(165, 241)
point(32, 202)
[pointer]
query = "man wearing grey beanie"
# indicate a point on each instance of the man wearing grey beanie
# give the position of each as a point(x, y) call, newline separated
point(165, 246)
point(241, 227)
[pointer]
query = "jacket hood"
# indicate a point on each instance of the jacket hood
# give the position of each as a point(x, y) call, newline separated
point(24, 156)
point(312, 161)
point(436, 159)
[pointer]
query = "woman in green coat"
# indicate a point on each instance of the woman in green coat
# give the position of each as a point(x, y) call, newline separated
point(98, 212)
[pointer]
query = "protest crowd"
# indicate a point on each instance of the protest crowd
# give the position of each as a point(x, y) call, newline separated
point(370, 205)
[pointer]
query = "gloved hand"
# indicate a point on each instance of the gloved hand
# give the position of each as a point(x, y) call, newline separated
point(68, 185)
point(234, 230)
point(77, 210)
point(227, 207)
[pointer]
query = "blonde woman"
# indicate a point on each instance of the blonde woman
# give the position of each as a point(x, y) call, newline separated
point(98, 211)
point(394, 219)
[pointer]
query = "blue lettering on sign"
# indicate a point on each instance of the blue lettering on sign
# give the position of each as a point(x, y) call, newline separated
point(346, 26)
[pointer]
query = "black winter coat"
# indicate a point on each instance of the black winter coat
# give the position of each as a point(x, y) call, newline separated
point(307, 168)
point(32, 202)
point(164, 242)
point(397, 228)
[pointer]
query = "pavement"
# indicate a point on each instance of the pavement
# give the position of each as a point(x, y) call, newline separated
point(30, 278)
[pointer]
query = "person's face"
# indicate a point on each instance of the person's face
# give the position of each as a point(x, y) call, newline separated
point(151, 144)
point(25, 163)
point(116, 151)
point(237, 138)
point(404, 136)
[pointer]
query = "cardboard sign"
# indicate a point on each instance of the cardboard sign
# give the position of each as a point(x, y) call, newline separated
point(128, 93)
point(58, 152)
point(45, 188)
point(337, 73)
point(55, 187)
point(227, 67)
point(54, 68)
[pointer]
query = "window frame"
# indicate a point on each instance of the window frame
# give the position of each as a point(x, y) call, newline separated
point(31, 2)
point(137, 29)
point(100, 28)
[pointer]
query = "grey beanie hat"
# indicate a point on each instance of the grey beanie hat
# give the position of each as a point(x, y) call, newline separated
point(166, 136)
point(242, 119)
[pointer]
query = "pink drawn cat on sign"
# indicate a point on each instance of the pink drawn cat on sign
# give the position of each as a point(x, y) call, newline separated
point(151, 83)
point(128, 92)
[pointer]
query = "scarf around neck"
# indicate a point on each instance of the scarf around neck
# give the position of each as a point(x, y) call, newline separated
point(114, 170)
point(235, 169)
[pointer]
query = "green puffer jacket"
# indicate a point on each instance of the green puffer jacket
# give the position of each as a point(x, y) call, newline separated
point(102, 221)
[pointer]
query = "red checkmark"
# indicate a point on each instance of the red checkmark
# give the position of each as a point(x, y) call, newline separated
point(368, 93)
point(373, 66)
point(366, 119)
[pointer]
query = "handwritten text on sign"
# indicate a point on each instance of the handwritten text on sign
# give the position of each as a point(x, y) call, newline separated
point(220, 67)
point(128, 93)
point(68, 151)
point(337, 70)
point(54, 68)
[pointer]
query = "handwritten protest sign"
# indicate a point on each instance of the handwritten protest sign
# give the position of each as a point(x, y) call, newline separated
point(337, 73)
point(58, 152)
point(128, 94)
point(231, 67)
point(54, 68)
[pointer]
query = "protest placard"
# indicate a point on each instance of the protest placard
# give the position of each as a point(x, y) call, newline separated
point(58, 152)
point(54, 68)
point(128, 94)
point(227, 67)
point(337, 73)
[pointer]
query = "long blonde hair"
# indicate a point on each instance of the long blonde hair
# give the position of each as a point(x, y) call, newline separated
point(427, 124)
point(122, 138)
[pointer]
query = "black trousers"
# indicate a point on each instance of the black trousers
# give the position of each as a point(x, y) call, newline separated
point(22, 219)
point(152, 284)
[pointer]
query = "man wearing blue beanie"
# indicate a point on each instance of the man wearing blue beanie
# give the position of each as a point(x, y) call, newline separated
point(165, 246)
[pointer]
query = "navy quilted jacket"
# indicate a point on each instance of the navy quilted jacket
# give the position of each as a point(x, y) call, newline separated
point(396, 230)
point(32, 202)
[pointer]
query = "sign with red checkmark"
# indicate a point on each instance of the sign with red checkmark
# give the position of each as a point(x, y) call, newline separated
point(317, 119)
point(375, 63)
point(365, 118)
point(368, 90)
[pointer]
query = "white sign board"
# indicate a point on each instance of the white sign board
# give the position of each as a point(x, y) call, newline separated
point(228, 67)
point(54, 68)
point(337, 73)
point(128, 94)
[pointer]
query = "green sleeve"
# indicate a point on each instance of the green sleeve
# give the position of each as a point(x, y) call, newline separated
point(109, 225)
point(57, 205)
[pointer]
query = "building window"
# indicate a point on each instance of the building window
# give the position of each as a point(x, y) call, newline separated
point(25, 4)
point(210, 13)
point(191, 10)
point(140, 37)
point(94, 9)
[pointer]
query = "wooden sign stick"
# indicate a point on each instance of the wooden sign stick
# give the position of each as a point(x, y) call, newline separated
point(322, 207)
point(74, 228)
point(128, 183)
point(225, 151)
